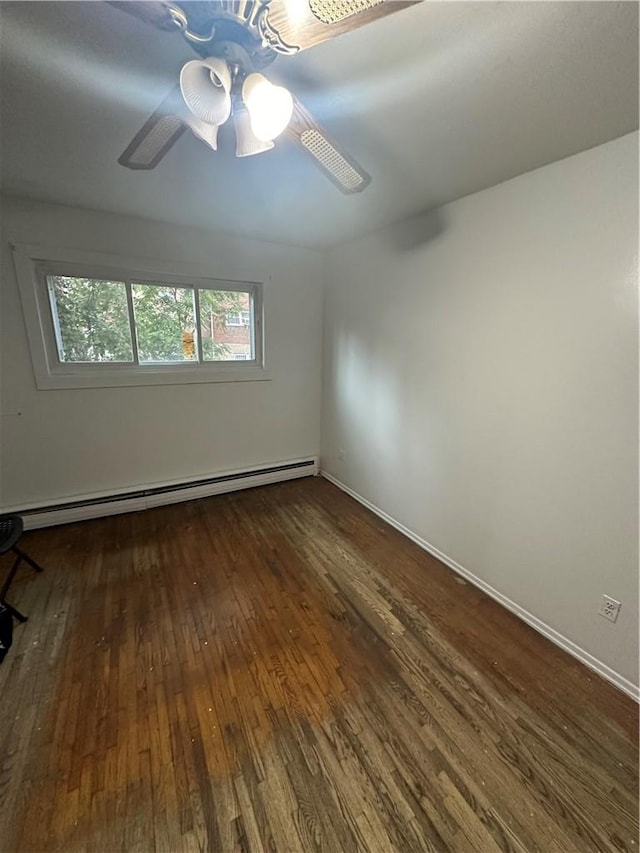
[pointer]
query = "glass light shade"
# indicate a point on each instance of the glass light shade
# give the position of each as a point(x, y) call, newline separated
point(206, 132)
point(205, 85)
point(270, 107)
point(247, 143)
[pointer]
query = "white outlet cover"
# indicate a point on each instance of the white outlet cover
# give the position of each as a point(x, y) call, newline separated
point(609, 608)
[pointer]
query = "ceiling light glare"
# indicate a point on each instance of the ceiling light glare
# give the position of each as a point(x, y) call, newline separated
point(247, 143)
point(270, 107)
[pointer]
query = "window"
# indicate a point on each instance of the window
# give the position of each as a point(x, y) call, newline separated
point(90, 319)
point(106, 326)
point(145, 323)
point(164, 320)
point(238, 318)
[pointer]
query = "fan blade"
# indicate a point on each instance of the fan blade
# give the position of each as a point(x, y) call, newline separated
point(149, 11)
point(336, 164)
point(299, 24)
point(157, 135)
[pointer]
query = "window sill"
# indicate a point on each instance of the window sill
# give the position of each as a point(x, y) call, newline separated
point(169, 375)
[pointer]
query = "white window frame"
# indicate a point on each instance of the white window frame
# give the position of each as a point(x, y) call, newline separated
point(33, 265)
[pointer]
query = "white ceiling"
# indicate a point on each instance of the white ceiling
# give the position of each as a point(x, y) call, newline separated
point(437, 101)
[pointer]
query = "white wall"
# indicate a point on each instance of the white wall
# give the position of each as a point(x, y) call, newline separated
point(74, 442)
point(481, 382)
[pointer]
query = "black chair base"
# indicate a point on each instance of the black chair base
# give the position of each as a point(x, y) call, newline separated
point(20, 556)
point(15, 613)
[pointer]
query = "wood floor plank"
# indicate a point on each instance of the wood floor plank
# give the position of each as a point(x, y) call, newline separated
point(279, 671)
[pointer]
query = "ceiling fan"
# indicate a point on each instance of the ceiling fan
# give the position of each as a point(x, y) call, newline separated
point(236, 40)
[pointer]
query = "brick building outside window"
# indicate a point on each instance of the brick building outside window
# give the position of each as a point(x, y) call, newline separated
point(231, 330)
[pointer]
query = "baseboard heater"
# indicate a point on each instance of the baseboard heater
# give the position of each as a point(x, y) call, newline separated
point(97, 506)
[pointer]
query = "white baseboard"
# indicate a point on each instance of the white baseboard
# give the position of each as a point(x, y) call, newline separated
point(541, 627)
point(99, 505)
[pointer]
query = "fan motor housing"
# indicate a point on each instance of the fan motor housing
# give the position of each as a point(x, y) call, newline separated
point(239, 59)
point(236, 41)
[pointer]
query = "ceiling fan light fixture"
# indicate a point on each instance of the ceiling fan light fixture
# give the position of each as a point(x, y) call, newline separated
point(205, 85)
point(334, 11)
point(332, 161)
point(206, 132)
point(152, 142)
point(270, 107)
point(247, 143)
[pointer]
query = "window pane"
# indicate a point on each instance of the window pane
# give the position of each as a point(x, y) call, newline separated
point(226, 326)
point(91, 319)
point(165, 323)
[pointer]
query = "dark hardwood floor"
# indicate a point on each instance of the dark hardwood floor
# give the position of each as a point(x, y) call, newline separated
point(279, 670)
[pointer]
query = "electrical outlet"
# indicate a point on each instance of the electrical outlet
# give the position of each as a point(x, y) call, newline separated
point(609, 608)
